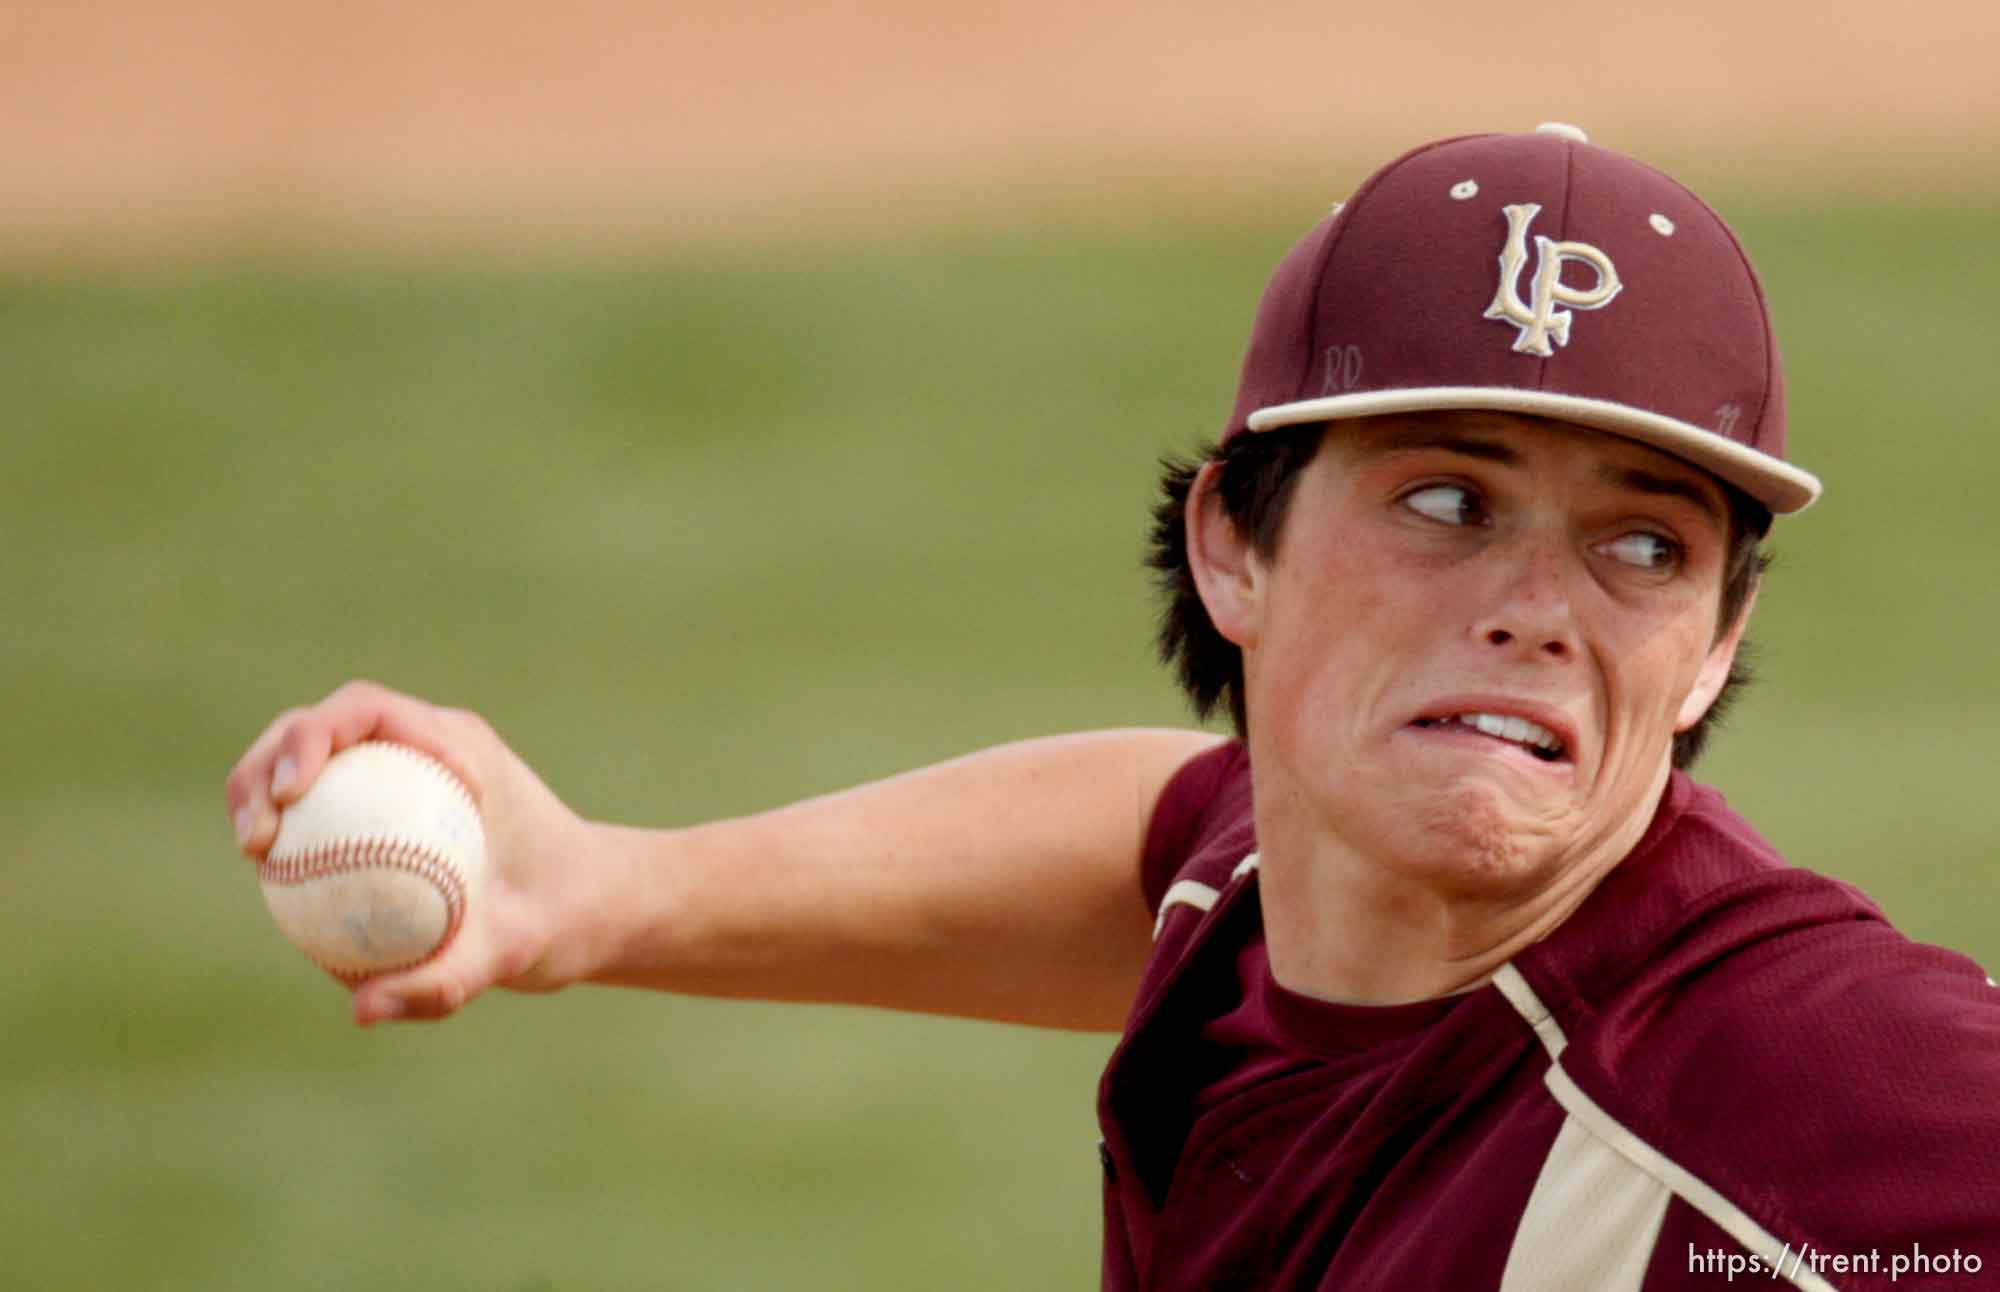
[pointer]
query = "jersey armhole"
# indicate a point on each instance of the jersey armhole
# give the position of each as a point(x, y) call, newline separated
point(1189, 809)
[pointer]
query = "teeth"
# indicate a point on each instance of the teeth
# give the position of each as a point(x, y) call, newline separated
point(1508, 727)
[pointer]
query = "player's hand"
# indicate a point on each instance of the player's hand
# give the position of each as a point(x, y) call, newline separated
point(519, 934)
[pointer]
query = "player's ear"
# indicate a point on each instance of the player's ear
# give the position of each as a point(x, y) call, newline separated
point(1227, 570)
point(1714, 673)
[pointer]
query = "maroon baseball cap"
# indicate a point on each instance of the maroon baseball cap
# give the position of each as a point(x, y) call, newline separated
point(1536, 274)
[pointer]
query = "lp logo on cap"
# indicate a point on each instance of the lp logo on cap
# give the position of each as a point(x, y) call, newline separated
point(1539, 319)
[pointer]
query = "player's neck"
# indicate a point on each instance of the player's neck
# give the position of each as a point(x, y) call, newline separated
point(1344, 925)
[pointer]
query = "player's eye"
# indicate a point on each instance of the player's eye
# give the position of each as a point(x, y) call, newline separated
point(1644, 550)
point(1448, 504)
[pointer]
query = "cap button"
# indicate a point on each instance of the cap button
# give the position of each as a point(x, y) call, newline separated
point(1563, 130)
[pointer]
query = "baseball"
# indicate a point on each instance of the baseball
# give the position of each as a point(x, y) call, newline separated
point(373, 869)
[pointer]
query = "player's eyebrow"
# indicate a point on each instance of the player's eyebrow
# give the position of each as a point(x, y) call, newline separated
point(1405, 440)
point(1640, 480)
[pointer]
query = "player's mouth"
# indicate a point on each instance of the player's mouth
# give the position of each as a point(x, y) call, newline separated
point(1538, 740)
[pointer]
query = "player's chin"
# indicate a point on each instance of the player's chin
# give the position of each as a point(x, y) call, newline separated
point(1482, 837)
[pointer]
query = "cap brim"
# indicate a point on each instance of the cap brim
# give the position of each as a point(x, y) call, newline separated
point(1779, 485)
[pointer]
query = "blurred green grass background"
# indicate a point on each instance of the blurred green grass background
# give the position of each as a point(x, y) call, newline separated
point(701, 532)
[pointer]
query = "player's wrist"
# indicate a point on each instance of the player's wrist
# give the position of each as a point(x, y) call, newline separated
point(619, 896)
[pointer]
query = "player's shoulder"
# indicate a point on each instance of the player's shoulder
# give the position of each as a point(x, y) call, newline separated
point(1780, 1040)
point(1764, 956)
point(1742, 964)
point(1793, 970)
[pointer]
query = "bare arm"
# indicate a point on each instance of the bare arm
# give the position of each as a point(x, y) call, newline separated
point(999, 885)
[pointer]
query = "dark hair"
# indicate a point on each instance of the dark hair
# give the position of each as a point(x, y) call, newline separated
point(1258, 473)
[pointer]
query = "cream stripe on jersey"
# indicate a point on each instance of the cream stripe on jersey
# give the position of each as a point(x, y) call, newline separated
point(1529, 1006)
point(1192, 892)
point(1614, 1160)
point(1590, 1223)
point(1780, 1260)
point(1184, 892)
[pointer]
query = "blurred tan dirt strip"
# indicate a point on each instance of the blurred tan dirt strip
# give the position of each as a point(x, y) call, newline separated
point(147, 119)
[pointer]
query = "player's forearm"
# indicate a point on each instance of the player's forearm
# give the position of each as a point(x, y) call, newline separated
point(1000, 885)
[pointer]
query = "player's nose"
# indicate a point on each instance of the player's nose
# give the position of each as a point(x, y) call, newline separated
point(1530, 610)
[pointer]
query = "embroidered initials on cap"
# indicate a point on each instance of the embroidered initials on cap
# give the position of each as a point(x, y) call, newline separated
point(1540, 320)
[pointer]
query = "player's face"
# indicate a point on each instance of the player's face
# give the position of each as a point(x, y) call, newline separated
point(1476, 640)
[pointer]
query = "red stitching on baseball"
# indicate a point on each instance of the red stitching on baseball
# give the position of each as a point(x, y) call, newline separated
point(343, 856)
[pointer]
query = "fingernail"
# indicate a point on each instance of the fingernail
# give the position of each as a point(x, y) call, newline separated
point(283, 775)
point(246, 823)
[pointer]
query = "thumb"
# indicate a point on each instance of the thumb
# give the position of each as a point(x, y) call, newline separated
point(438, 988)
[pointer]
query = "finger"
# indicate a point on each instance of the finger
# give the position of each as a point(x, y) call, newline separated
point(350, 715)
point(285, 760)
point(431, 991)
point(361, 711)
point(416, 999)
point(357, 712)
point(247, 793)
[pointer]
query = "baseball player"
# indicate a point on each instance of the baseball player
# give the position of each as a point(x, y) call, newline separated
point(1442, 973)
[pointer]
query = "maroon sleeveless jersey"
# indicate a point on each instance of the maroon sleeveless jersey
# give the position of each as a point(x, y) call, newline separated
point(1719, 1069)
